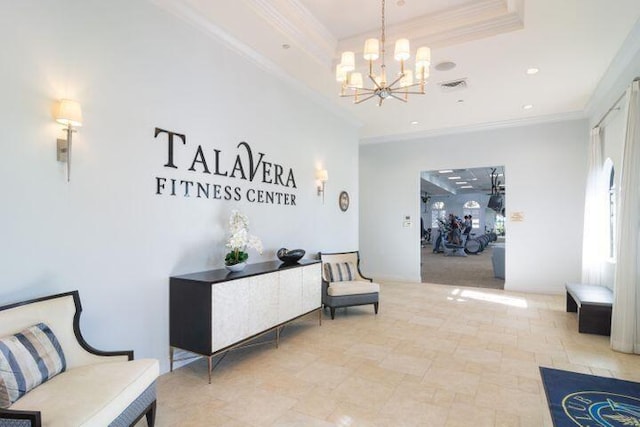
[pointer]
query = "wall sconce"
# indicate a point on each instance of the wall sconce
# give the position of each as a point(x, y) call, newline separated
point(68, 113)
point(322, 177)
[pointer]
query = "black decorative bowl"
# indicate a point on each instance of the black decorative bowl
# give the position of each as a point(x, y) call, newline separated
point(290, 256)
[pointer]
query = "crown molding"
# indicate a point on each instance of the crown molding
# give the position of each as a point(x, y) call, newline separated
point(468, 22)
point(624, 67)
point(295, 21)
point(562, 117)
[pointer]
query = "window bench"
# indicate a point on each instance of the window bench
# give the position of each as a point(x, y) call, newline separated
point(593, 304)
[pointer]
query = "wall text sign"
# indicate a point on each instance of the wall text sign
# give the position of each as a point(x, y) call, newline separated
point(244, 165)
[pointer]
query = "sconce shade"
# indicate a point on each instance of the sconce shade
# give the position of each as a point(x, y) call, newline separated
point(69, 113)
point(322, 175)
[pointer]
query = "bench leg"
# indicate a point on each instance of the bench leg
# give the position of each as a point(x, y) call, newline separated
point(151, 414)
point(333, 312)
point(572, 307)
point(594, 319)
point(375, 307)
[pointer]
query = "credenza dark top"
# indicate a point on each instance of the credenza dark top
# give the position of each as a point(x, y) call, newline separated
point(223, 275)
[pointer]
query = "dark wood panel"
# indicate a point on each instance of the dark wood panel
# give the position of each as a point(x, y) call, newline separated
point(190, 315)
point(222, 275)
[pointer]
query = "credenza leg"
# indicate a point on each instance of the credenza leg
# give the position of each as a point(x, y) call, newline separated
point(209, 367)
point(170, 359)
point(320, 316)
point(277, 336)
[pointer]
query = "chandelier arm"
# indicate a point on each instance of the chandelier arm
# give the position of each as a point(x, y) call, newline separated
point(408, 86)
point(373, 79)
point(360, 101)
point(365, 89)
point(396, 81)
point(397, 97)
point(409, 92)
point(353, 95)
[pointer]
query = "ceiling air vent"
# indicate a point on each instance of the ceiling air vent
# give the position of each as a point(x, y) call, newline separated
point(453, 85)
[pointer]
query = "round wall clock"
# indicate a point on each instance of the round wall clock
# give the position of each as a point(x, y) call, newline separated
point(343, 201)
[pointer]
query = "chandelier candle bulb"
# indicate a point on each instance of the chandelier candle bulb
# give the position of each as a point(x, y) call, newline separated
point(355, 80)
point(341, 75)
point(423, 57)
point(402, 52)
point(348, 61)
point(371, 49)
point(407, 79)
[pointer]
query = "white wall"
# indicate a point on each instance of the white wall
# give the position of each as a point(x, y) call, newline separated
point(545, 166)
point(134, 67)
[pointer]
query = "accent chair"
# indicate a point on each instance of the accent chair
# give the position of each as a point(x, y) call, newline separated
point(343, 284)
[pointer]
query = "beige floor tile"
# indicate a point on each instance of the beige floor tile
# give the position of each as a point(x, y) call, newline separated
point(434, 356)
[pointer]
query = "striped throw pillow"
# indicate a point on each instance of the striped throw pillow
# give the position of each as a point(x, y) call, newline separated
point(27, 359)
point(340, 271)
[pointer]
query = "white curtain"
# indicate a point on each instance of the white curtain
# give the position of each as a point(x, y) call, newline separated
point(595, 235)
point(625, 327)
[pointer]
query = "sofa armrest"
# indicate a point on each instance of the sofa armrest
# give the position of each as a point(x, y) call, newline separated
point(76, 330)
point(10, 417)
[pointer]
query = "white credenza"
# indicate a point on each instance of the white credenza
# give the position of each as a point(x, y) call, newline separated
point(213, 311)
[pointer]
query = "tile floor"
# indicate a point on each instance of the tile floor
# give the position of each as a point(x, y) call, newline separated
point(434, 356)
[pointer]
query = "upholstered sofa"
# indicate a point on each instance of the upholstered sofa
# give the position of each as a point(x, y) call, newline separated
point(72, 383)
point(343, 284)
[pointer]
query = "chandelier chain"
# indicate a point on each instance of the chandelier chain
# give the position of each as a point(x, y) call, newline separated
point(382, 35)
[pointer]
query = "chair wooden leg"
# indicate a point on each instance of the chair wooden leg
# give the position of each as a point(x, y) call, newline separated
point(151, 415)
point(333, 312)
point(375, 307)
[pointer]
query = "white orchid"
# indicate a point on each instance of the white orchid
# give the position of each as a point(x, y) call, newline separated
point(240, 240)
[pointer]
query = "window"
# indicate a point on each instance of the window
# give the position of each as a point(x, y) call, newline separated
point(472, 208)
point(611, 206)
point(437, 212)
point(499, 225)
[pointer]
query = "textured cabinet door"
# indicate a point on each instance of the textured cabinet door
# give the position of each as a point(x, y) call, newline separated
point(263, 302)
point(290, 294)
point(311, 287)
point(230, 310)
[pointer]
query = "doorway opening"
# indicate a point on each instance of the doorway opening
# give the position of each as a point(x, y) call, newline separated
point(463, 235)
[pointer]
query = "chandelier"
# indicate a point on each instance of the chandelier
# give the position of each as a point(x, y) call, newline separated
point(400, 86)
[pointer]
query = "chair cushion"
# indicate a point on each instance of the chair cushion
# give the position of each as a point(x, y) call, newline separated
point(28, 359)
point(353, 287)
point(340, 271)
point(90, 395)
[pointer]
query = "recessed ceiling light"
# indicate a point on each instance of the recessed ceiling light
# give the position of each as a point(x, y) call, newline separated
point(467, 186)
point(531, 71)
point(446, 171)
point(460, 101)
point(454, 177)
point(527, 106)
point(415, 122)
point(286, 46)
point(461, 182)
point(445, 66)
